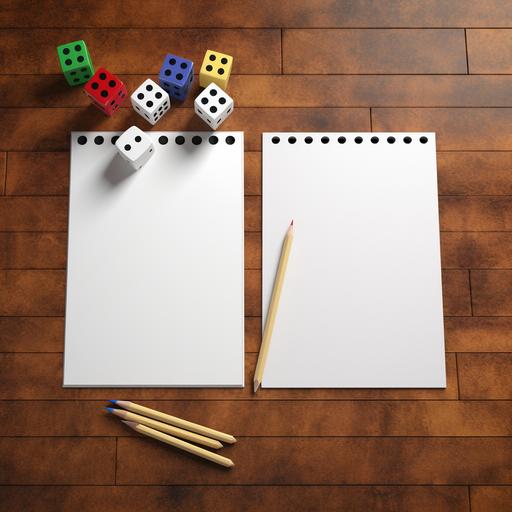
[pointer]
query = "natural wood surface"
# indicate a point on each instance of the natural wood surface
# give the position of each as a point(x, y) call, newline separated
point(302, 65)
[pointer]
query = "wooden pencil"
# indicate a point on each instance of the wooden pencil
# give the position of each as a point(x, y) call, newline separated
point(179, 443)
point(273, 307)
point(166, 428)
point(173, 420)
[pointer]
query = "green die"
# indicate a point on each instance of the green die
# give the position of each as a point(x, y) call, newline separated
point(75, 62)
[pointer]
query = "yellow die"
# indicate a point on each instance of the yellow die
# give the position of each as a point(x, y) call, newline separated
point(216, 68)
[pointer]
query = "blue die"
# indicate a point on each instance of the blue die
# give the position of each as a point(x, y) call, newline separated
point(176, 75)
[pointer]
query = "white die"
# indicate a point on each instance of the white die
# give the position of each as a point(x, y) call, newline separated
point(150, 101)
point(135, 147)
point(213, 105)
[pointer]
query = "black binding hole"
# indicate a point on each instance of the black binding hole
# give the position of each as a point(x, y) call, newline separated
point(325, 140)
point(407, 140)
point(82, 140)
point(196, 140)
point(342, 140)
point(391, 140)
point(230, 140)
point(179, 140)
point(292, 140)
point(358, 140)
point(423, 140)
point(163, 140)
point(114, 139)
point(276, 140)
point(308, 140)
point(98, 140)
point(213, 140)
point(374, 140)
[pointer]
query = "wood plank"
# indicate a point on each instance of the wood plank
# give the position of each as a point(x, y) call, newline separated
point(3, 172)
point(389, 51)
point(57, 461)
point(489, 51)
point(490, 213)
point(456, 129)
point(33, 250)
point(253, 250)
point(485, 376)
point(261, 13)
point(487, 498)
point(252, 206)
point(37, 174)
point(139, 50)
point(478, 334)
point(32, 292)
point(55, 124)
point(474, 173)
point(26, 334)
point(456, 295)
point(227, 498)
point(303, 418)
point(492, 292)
point(33, 213)
point(303, 461)
point(291, 91)
point(42, 380)
point(476, 250)
point(252, 173)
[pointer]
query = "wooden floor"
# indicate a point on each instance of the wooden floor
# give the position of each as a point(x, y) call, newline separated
point(322, 65)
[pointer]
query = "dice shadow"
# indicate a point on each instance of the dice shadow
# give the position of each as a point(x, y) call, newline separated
point(117, 171)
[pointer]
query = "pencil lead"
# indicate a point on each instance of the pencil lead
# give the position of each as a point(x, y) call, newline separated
point(131, 424)
point(113, 402)
point(110, 409)
point(291, 223)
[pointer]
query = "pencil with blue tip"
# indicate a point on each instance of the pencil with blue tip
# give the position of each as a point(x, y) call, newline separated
point(166, 428)
point(173, 420)
point(179, 443)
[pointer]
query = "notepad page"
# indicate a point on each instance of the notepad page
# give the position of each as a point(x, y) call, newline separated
point(155, 288)
point(361, 304)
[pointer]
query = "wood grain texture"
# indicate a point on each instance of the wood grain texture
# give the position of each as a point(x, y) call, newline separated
point(139, 50)
point(325, 461)
point(3, 172)
point(373, 51)
point(319, 418)
point(456, 294)
point(485, 376)
point(474, 173)
point(492, 292)
point(29, 334)
point(489, 51)
point(54, 125)
point(478, 334)
point(290, 91)
point(33, 213)
point(42, 380)
point(490, 499)
point(476, 250)
point(460, 129)
point(261, 13)
point(33, 250)
point(57, 461)
point(228, 498)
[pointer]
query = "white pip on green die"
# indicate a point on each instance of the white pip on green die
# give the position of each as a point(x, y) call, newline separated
point(213, 106)
point(150, 101)
point(135, 147)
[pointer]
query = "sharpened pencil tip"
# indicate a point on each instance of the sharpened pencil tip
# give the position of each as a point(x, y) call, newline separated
point(130, 424)
point(256, 385)
point(110, 409)
point(291, 224)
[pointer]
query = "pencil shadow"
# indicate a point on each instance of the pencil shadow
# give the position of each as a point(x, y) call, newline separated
point(118, 170)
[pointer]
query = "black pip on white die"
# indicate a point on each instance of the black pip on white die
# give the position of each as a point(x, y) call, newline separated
point(213, 106)
point(150, 101)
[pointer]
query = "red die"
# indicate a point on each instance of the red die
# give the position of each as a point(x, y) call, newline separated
point(106, 91)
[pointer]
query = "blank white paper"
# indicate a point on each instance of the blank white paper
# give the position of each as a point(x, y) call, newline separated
point(155, 287)
point(361, 304)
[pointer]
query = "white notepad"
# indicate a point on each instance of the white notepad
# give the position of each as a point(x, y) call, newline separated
point(155, 287)
point(362, 299)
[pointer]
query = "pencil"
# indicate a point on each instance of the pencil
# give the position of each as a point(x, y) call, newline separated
point(272, 309)
point(173, 420)
point(166, 428)
point(178, 443)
